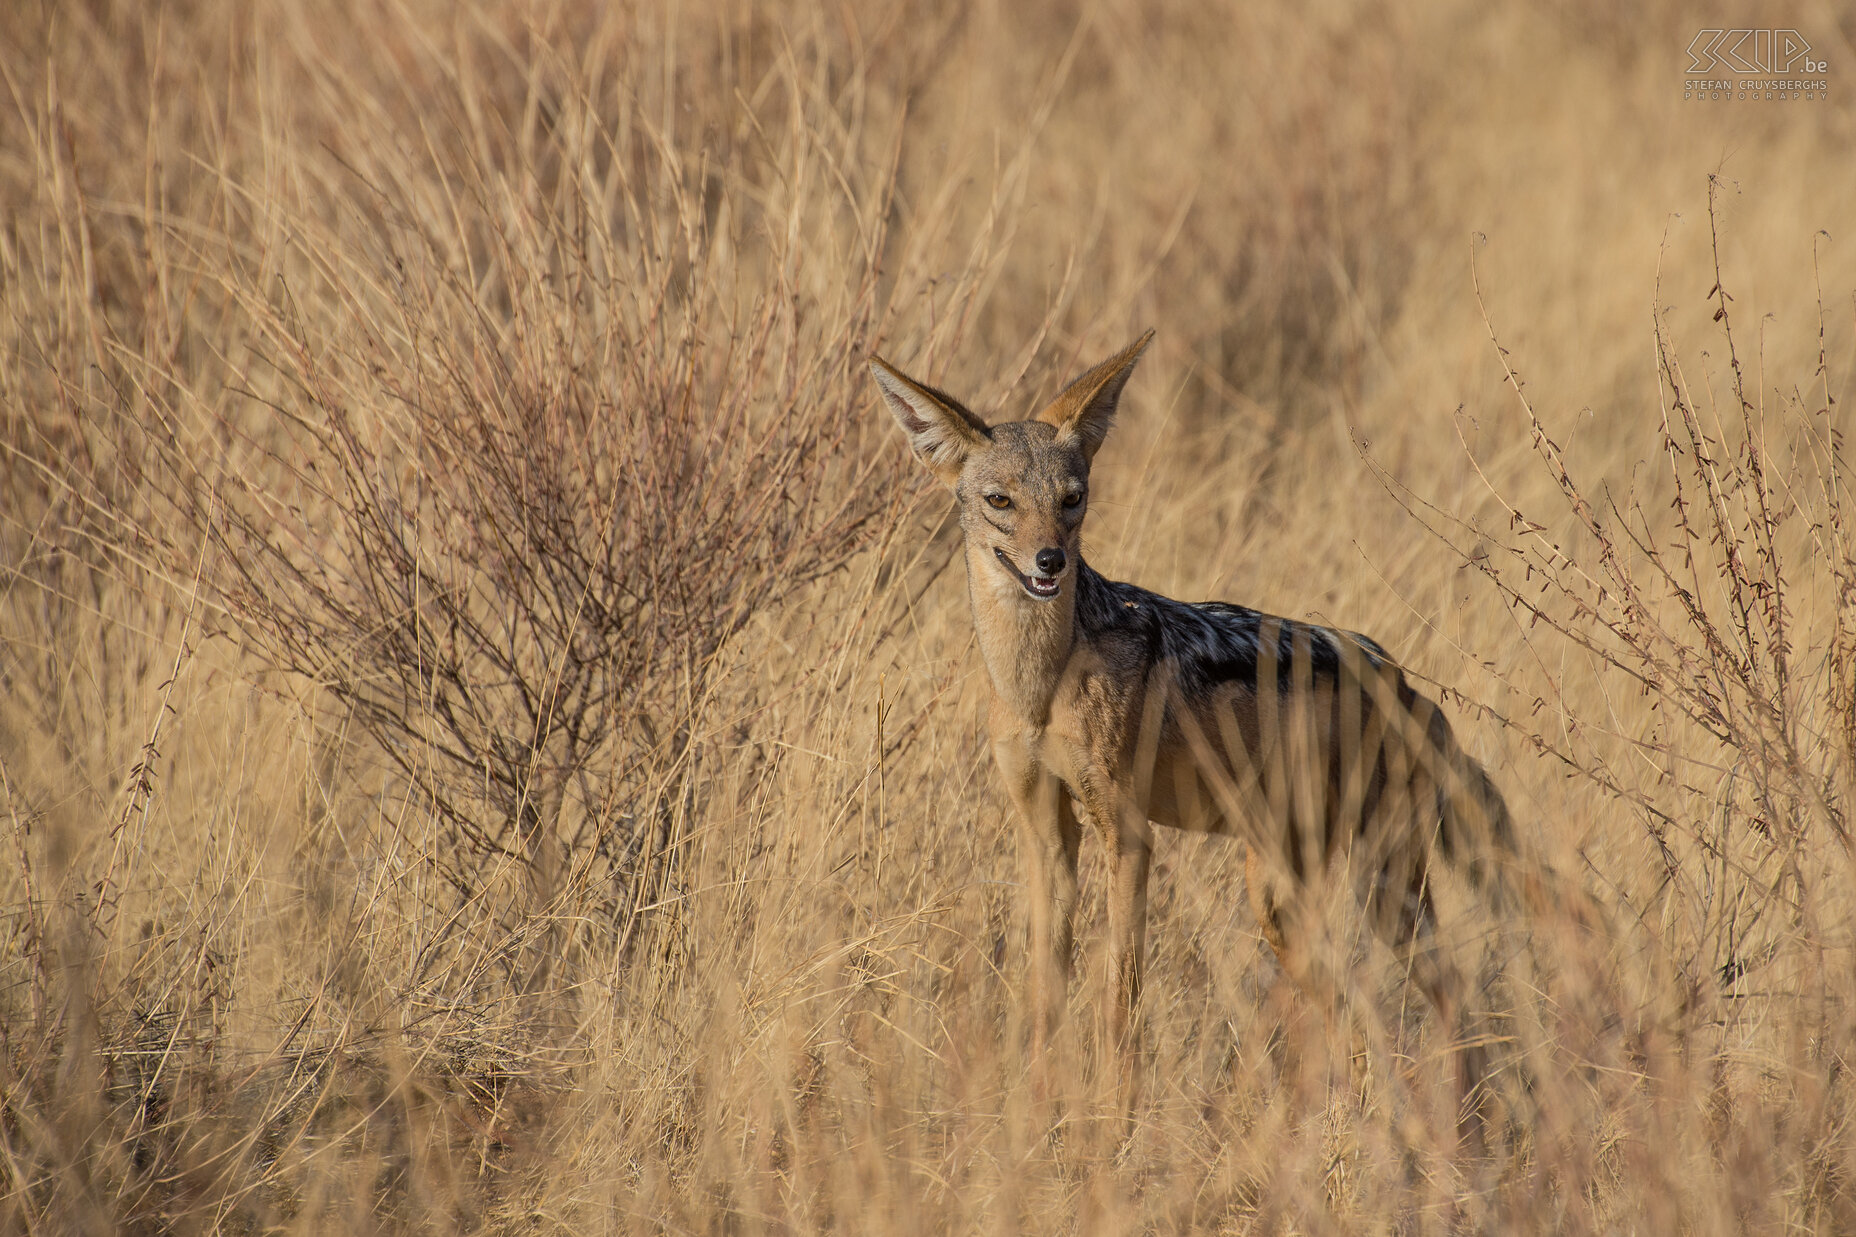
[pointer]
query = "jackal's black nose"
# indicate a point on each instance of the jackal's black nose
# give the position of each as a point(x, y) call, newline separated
point(1050, 562)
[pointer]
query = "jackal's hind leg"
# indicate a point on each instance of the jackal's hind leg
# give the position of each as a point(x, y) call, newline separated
point(1264, 906)
point(1279, 905)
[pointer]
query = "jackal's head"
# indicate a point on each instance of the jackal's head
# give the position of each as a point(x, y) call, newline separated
point(1023, 486)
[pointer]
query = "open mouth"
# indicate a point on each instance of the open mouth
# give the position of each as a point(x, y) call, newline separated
point(1042, 587)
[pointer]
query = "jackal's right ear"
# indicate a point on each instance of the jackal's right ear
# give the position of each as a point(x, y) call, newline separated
point(941, 432)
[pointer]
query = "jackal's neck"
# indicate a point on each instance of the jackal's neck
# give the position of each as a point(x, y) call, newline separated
point(1026, 642)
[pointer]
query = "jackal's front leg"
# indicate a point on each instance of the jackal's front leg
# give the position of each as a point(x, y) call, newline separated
point(1127, 847)
point(1128, 843)
point(1050, 837)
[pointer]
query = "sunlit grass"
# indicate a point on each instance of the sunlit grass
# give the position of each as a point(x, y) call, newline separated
point(491, 735)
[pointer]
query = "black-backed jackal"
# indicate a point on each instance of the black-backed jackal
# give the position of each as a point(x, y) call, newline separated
point(1114, 708)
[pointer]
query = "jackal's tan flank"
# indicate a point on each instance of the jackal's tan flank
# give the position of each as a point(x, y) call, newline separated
point(1115, 707)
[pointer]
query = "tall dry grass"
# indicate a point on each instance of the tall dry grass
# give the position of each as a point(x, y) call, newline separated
point(491, 736)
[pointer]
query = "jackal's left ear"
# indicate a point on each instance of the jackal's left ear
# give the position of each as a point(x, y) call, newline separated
point(941, 432)
point(1086, 407)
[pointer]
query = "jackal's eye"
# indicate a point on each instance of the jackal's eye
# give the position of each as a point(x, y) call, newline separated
point(1072, 501)
point(999, 501)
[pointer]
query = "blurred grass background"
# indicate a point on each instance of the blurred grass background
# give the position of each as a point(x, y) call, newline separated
point(491, 738)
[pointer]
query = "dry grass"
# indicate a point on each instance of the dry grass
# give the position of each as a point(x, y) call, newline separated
point(491, 737)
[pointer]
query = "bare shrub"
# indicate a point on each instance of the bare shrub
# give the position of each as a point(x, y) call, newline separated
point(1689, 587)
point(1713, 595)
point(516, 546)
point(525, 427)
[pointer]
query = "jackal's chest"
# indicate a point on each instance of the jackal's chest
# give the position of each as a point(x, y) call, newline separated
point(1112, 737)
point(1083, 737)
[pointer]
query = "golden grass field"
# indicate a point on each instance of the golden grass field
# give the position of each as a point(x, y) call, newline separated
point(491, 737)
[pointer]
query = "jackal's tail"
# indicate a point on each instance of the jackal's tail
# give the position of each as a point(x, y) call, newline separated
point(1510, 875)
point(1475, 831)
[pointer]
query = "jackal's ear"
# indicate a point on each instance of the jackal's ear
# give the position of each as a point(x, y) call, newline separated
point(941, 432)
point(1085, 408)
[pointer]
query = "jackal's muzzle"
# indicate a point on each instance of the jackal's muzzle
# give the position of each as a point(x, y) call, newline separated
point(1043, 585)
